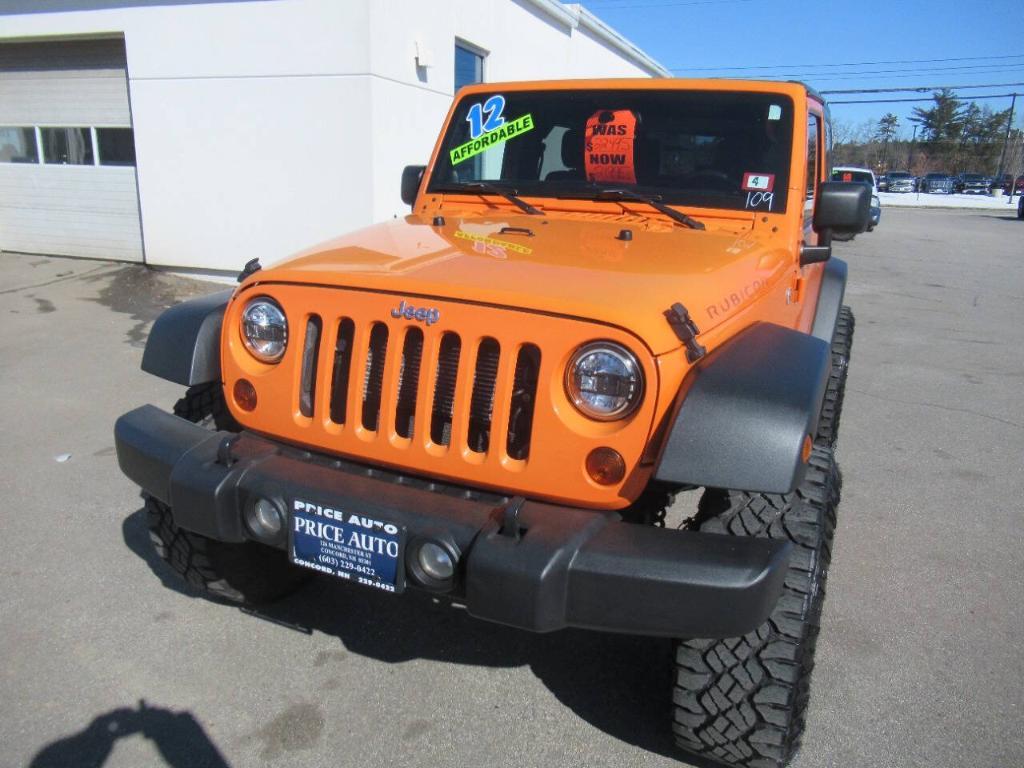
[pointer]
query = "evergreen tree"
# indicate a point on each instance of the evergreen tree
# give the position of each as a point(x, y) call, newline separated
point(887, 127)
point(942, 122)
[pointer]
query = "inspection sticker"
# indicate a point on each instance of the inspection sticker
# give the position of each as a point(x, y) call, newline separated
point(488, 139)
point(343, 544)
point(758, 182)
point(485, 240)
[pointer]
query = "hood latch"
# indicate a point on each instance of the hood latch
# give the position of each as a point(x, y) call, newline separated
point(679, 318)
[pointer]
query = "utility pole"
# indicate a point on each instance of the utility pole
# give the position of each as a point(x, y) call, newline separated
point(1006, 140)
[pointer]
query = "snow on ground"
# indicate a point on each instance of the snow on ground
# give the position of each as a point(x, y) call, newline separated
point(921, 200)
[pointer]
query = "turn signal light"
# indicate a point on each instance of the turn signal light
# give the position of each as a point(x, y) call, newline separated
point(606, 466)
point(808, 445)
point(245, 395)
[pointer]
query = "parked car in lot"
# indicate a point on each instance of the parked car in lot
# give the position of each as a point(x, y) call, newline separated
point(901, 181)
point(1004, 182)
point(882, 183)
point(972, 184)
point(941, 183)
point(849, 173)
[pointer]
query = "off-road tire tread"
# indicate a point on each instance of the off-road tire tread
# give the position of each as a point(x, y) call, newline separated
point(204, 405)
point(743, 701)
point(835, 390)
point(237, 573)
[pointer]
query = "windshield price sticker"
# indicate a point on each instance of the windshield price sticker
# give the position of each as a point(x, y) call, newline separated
point(493, 109)
point(610, 138)
point(758, 182)
point(488, 139)
point(350, 546)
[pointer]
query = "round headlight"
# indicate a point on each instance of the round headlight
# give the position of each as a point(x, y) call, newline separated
point(265, 329)
point(604, 381)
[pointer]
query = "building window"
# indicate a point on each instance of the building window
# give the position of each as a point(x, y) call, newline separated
point(67, 146)
point(116, 146)
point(469, 66)
point(18, 145)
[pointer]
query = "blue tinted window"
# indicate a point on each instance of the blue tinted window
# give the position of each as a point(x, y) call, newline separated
point(469, 67)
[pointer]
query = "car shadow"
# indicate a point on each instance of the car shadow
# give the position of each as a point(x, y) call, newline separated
point(1009, 216)
point(177, 735)
point(620, 684)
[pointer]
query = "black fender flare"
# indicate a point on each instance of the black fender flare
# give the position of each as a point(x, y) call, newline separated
point(745, 411)
point(184, 343)
point(830, 299)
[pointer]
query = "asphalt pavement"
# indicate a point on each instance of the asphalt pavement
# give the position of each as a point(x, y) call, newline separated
point(107, 661)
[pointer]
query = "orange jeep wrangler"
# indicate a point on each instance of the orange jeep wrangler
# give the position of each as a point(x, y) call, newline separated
point(607, 292)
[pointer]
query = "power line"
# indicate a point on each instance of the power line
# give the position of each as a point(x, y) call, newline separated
point(924, 88)
point(818, 79)
point(907, 101)
point(847, 64)
point(976, 69)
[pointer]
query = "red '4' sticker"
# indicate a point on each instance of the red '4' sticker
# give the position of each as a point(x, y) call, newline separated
point(610, 138)
point(758, 182)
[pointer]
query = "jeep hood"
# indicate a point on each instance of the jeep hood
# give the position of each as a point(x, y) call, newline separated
point(578, 268)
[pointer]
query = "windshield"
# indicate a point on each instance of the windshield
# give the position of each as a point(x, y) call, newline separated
point(692, 148)
point(898, 175)
point(862, 177)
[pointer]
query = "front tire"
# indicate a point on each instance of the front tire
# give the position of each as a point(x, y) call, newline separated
point(835, 389)
point(239, 573)
point(743, 701)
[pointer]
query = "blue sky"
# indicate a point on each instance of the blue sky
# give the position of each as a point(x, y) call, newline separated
point(806, 39)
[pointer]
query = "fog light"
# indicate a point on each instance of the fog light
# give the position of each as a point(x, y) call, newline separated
point(435, 561)
point(264, 519)
point(606, 466)
point(245, 395)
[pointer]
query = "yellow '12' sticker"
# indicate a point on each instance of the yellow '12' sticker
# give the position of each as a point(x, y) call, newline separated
point(487, 140)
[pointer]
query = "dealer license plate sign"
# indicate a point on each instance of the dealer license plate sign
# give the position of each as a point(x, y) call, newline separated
point(354, 547)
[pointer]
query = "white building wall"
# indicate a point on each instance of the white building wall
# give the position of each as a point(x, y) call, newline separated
point(264, 127)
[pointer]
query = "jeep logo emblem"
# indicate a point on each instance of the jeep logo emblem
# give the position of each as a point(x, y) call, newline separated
point(423, 314)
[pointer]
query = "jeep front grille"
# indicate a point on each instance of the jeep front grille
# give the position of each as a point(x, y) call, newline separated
point(447, 349)
point(475, 397)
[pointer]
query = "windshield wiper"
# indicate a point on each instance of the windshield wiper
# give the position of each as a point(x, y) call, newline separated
point(654, 201)
point(492, 189)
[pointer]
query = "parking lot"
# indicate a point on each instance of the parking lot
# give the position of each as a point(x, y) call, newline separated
point(108, 662)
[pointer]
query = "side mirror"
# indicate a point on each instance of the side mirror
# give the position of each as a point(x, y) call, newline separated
point(842, 207)
point(412, 175)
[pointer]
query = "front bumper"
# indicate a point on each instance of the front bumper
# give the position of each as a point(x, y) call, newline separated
point(562, 566)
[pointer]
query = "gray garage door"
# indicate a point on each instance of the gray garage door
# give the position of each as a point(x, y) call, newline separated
point(67, 151)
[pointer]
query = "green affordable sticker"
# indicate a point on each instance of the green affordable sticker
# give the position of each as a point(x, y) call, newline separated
point(492, 138)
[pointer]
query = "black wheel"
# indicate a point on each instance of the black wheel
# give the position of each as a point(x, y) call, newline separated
point(239, 573)
point(843, 237)
point(832, 406)
point(743, 701)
